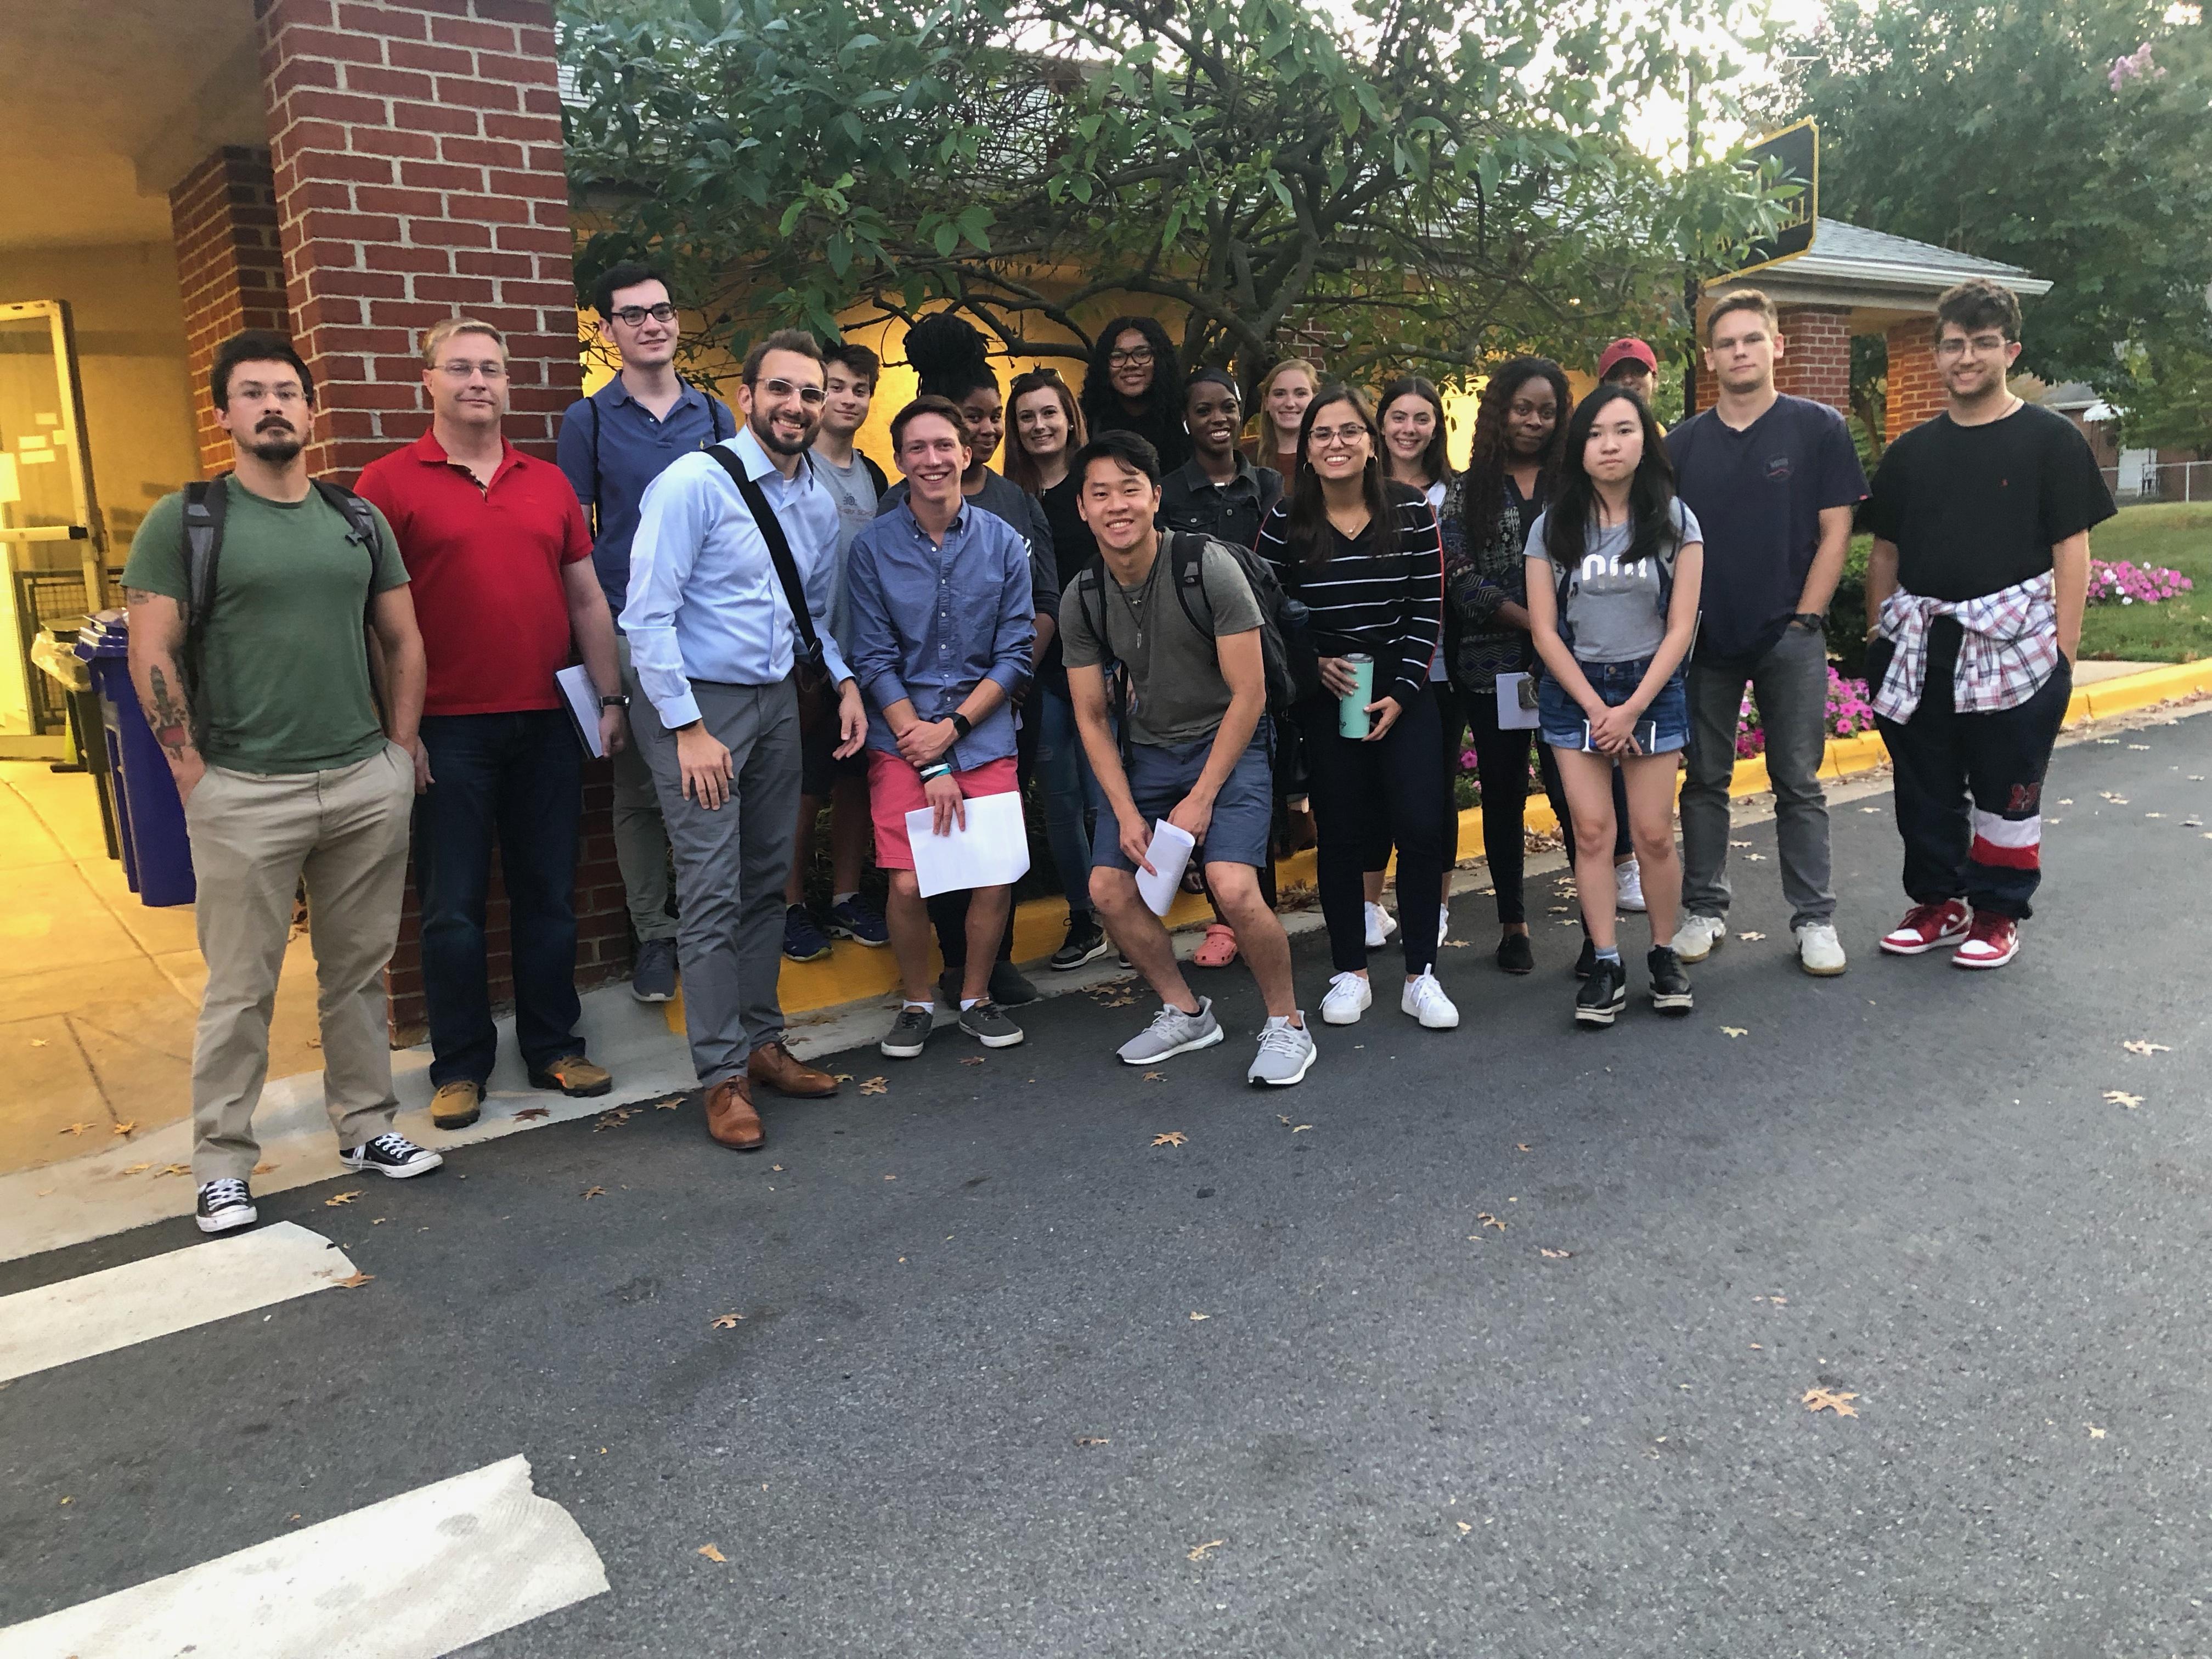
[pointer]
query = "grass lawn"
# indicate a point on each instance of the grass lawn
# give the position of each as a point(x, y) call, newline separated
point(2180, 538)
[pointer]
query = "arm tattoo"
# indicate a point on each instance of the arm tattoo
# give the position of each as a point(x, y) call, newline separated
point(168, 715)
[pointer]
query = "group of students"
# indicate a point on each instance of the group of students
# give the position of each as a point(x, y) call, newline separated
point(1155, 625)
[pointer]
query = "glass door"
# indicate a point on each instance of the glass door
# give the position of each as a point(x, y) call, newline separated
point(53, 548)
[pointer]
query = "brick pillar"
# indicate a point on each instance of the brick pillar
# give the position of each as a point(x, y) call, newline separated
point(223, 217)
point(417, 153)
point(1916, 393)
point(1816, 360)
point(417, 147)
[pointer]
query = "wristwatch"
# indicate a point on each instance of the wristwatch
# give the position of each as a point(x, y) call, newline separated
point(961, 724)
point(614, 702)
point(1812, 620)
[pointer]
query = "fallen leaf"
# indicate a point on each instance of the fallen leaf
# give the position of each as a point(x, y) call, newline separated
point(595, 1192)
point(1550, 1255)
point(1172, 1138)
point(875, 1085)
point(1756, 858)
point(173, 1168)
point(1820, 1400)
point(711, 1553)
point(842, 1077)
point(138, 1169)
point(381, 1219)
point(2153, 815)
point(1280, 1119)
point(529, 1112)
point(726, 1321)
point(1871, 808)
point(667, 1105)
point(1755, 1348)
point(355, 1283)
point(38, 1042)
point(2144, 747)
point(1300, 1128)
point(890, 1177)
point(1747, 934)
point(1522, 1146)
point(1735, 1031)
point(973, 1059)
point(1092, 1440)
point(337, 1199)
point(2121, 1097)
point(314, 1042)
point(1196, 1317)
point(778, 1168)
point(124, 1129)
point(1462, 1526)
point(1489, 1221)
point(79, 1128)
point(262, 1168)
point(1738, 843)
point(1200, 1552)
point(2095, 1433)
point(2144, 1045)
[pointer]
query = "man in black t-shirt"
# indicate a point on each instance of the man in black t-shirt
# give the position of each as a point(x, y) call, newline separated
point(1980, 569)
point(1773, 481)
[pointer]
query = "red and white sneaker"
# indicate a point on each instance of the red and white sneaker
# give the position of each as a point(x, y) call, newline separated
point(1928, 928)
point(1992, 942)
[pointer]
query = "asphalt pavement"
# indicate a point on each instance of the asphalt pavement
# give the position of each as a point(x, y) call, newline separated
point(1492, 1342)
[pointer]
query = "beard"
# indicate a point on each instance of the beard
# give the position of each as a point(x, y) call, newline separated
point(764, 430)
point(277, 446)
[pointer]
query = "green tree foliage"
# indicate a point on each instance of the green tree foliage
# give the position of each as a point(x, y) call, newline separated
point(1419, 180)
point(2038, 132)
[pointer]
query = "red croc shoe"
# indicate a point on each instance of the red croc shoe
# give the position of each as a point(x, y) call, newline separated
point(1217, 949)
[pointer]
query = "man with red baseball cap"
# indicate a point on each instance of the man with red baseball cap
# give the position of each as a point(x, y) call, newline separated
point(1631, 363)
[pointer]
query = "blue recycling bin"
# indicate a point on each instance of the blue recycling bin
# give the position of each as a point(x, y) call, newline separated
point(157, 849)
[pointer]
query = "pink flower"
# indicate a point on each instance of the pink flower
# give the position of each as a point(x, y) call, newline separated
point(2136, 66)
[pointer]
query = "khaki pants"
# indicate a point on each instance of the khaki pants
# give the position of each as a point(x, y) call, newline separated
point(254, 839)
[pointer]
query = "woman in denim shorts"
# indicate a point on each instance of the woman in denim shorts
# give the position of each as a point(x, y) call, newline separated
point(1615, 563)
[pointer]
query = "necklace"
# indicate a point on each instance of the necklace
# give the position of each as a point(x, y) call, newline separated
point(1143, 605)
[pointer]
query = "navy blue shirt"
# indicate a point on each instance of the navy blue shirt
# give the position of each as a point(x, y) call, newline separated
point(611, 447)
point(1758, 493)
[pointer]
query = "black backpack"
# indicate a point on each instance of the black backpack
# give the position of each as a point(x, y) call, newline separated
point(205, 503)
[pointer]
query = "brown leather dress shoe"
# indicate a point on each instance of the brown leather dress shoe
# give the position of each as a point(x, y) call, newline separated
point(774, 1064)
point(731, 1119)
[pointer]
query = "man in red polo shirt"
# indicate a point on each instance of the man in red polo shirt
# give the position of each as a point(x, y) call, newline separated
point(502, 563)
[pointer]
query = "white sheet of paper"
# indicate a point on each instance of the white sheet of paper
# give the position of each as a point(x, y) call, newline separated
point(583, 706)
point(993, 851)
point(1511, 716)
point(1169, 855)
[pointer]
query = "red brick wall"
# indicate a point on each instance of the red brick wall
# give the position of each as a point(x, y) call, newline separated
point(416, 153)
point(223, 217)
point(1816, 359)
point(1916, 393)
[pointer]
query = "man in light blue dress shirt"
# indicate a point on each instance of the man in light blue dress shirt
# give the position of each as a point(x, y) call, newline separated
point(713, 646)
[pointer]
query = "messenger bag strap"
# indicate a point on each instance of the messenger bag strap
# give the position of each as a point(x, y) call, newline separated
point(778, 550)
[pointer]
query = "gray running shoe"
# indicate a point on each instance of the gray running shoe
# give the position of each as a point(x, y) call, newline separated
point(990, 1025)
point(1286, 1054)
point(1172, 1032)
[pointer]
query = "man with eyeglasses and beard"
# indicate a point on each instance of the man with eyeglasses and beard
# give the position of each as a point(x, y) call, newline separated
point(716, 648)
point(255, 679)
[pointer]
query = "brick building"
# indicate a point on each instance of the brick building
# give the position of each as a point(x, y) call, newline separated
point(350, 170)
point(1852, 282)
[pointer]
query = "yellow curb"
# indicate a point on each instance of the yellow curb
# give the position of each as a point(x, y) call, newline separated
point(851, 973)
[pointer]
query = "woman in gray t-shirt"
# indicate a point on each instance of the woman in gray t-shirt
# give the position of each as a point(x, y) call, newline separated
point(1614, 569)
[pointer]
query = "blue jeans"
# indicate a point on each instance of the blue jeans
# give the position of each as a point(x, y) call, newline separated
point(515, 781)
point(1071, 794)
point(1561, 717)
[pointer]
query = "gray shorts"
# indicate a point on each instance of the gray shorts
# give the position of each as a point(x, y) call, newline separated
point(1244, 812)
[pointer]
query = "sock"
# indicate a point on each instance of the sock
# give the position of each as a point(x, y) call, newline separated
point(844, 898)
point(926, 1007)
point(1609, 953)
point(966, 1003)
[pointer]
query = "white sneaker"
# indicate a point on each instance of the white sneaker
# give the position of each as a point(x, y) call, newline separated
point(1443, 924)
point(1819, 950)
point(1349, 997)
point(1628, 885)
point(1698, 937)
point(1424, 999)
point(1380, 924)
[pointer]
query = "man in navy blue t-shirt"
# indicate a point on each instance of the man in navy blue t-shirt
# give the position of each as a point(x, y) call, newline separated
point(1773, 480)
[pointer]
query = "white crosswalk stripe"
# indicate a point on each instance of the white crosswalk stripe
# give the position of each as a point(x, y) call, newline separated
point(419, 1575)
point(100, 1312)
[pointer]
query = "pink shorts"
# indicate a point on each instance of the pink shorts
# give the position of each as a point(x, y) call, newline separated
point(895, 790)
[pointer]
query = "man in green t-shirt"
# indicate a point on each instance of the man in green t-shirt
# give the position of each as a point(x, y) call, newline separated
point(266, 708)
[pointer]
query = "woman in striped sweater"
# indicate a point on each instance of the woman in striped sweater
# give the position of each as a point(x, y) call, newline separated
point(1363, 554)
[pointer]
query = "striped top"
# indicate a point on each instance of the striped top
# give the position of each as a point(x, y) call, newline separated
point(1389, 604)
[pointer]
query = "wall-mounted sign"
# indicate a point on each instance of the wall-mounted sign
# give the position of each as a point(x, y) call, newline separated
point(1796, 153)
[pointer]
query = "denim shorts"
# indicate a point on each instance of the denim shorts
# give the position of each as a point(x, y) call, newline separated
point(1244, 812)
point(1560, 717)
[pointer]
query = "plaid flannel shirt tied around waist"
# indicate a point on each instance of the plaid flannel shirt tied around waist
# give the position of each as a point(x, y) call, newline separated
point(2009, 647)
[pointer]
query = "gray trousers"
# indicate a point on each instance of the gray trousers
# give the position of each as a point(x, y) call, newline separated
point(730, 867)
point(1791, 685)
point(640, 838)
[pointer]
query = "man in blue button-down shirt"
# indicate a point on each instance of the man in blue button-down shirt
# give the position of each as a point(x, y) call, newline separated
point(942, 626)
point(613, 444)
point(713, 649)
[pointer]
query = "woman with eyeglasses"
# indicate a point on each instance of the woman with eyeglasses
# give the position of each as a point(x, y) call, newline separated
point(1046, 430)
point(1362, 553)
point(1282, 394)
point(1134, 384)
point(1614, 565)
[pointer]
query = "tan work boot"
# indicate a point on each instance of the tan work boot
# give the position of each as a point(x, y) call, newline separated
point(456, 1104)
point(573, 1074)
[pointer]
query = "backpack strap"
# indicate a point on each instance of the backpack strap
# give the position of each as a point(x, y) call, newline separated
point(205, 502)
point(1187, 568)
point(594, 503)
point(1090, 594)
point(882, 484)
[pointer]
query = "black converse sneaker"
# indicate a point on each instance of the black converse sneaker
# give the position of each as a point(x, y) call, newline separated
point(1603, 994)
point(225, 1207)
point(1670, 986)
point(392, 1155)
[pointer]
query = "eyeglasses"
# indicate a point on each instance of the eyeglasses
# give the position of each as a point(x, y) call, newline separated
point(1137, 358)
point(1982, 345)
point(459, 370)
point(811, 396)
point(631, 316)
point(1329, 437)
